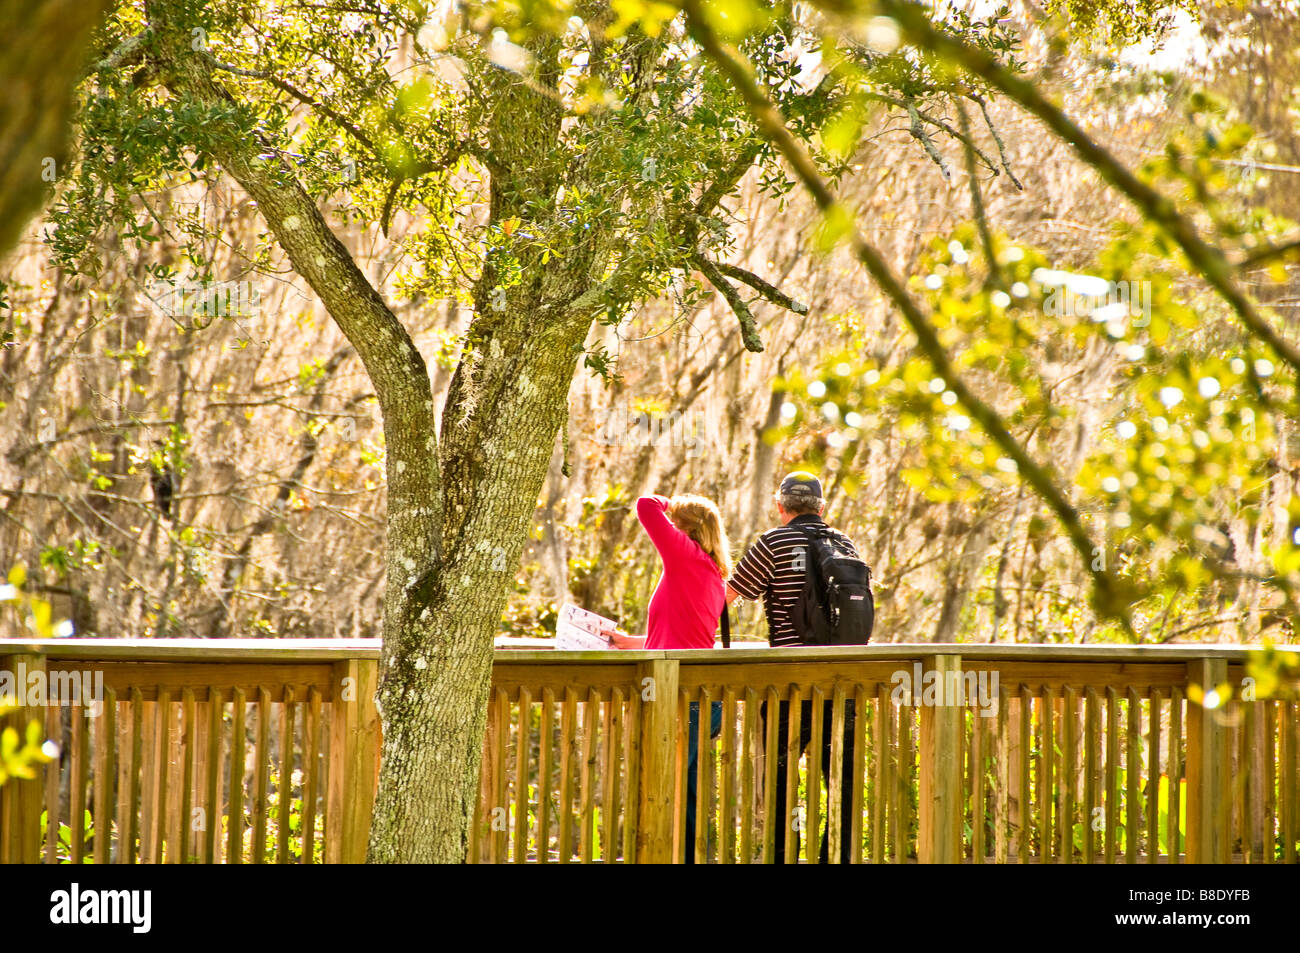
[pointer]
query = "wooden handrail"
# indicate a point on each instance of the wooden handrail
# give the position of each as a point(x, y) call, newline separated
point(197, 650)
point(894, 650)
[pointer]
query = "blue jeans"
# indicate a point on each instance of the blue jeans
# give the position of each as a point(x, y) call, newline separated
point(693, 734)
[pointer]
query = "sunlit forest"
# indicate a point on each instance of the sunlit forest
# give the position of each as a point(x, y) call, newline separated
point(220, 471)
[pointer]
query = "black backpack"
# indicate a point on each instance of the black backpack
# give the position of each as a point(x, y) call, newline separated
point(835, 606)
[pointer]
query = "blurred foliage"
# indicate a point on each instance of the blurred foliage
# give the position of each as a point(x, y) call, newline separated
point(1120, 22)
point(1189, 403)
point(33, 614)
point(63, 845)
point(21, 752)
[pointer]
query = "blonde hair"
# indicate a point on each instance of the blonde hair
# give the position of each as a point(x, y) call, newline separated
point(699, 519)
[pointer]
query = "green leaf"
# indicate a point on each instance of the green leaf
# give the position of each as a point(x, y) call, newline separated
point(836, 226)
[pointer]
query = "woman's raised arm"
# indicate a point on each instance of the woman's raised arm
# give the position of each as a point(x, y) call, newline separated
point(671, 542)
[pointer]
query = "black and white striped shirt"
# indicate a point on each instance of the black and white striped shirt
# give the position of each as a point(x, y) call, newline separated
point(774, 569)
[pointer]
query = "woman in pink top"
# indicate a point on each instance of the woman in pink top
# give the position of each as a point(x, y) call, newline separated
point(687, 604)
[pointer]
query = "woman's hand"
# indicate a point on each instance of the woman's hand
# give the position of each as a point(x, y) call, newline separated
point(621, 640)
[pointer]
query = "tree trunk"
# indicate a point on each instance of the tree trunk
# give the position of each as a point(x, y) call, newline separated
point(41, 63)
point(552, 550)
point(438, 645)
point(963, 573)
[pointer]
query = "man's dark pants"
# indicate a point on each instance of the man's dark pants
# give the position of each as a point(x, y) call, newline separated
point(846, 794)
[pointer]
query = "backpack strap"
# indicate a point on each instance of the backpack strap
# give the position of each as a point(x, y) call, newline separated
point(812, 564)
point(726, 627)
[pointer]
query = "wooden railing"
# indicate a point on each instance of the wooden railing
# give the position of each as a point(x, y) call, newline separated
point(235, 751)
point(1086, 754)
point(1059, 754)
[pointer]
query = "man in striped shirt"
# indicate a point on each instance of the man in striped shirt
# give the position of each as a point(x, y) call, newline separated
point(774, 569)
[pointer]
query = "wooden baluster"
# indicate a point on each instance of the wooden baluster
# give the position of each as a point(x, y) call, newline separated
point(727, 780)
point(939, 836)
point(187, 775)
point(657, 681)
point(975, 782)
point(749, 747)
point(1290, 736)
point(1091, 742)
point(53, 782)
point(771, 810)
point(261, 774)
point(1112, 814)
point(568, 725)
point(238, 766)
point(813, 819)
point(1173, 832)
point(1025, 815)
point(586, 768)
point(544, 768)
point(789, 808)
point(632, 776)
point(522, 736)
point(882, 776)
point(311, 774)
point(835, 820)
point(1069, 734)
point(1047, 778)
point(284, 787)
point(1153, 776)
point(1208, 793)
point(858, 763)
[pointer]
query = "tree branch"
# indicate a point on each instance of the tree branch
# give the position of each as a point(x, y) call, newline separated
point(919, 134)
point(993, 131)
point(1266, 254)
point(994, 278)
point(392, 361)
point(688, 225)
point(127, 53)
point(18, 455)
point(1107, 590)
point(946, 127)
point(748, 327)
point(338, 118)
point(768, 290)
point(1157, 208)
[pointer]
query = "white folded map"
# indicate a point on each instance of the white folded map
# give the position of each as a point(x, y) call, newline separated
point(579, 630)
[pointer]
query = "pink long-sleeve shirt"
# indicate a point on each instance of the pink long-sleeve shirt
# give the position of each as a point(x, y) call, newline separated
point(688, 601)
